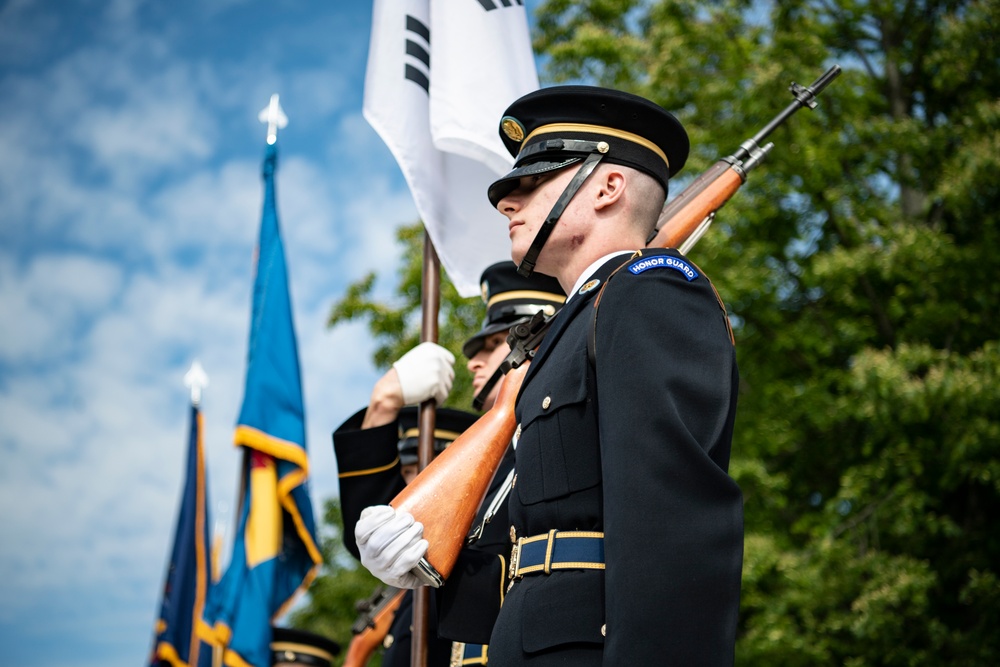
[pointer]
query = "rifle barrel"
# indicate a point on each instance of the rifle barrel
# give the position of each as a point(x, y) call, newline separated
point(804, 97)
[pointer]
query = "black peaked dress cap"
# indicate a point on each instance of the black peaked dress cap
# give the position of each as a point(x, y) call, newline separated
point(510, 298)
point(301, 647)
point(448, 425)
point(555, 127)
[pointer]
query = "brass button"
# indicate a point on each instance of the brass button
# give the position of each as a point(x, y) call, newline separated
point(546, 402)
point(604, 630)
point(387, 642)
point(513, 534)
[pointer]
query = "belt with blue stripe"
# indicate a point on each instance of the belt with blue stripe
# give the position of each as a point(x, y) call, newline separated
point(555, 550)
point(467, 654)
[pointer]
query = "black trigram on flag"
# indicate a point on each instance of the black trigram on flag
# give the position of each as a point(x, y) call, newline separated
point(418, 45)
point(490, 4)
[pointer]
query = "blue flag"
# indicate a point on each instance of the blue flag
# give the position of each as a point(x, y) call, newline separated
point(274, 552)
point(188, 579)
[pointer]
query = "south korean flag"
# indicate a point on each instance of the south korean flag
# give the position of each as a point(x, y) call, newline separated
point(440, 75)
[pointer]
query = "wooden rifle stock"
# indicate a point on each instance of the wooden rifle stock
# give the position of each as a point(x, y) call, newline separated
point(376, 624)
point(446, 495)
point(683, 220)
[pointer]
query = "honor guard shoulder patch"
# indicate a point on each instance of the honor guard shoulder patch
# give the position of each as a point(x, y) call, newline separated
point(663, 262)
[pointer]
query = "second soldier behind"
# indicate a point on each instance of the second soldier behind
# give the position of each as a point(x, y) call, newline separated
point(291, 648)
point(376, 458)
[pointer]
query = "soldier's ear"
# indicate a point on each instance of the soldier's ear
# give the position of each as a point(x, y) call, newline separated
point(612, 188)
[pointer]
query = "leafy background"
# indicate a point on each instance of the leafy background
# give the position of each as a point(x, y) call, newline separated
point(859, 266)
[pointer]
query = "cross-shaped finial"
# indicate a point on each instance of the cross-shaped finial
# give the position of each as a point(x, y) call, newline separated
point(196, 379)
point(274, 117)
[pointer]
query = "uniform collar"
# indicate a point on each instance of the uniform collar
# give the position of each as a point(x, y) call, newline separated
point(595, 275)
point(590, 270)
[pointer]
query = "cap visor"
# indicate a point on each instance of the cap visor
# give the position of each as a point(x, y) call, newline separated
point(472, 346)
point(503, 187)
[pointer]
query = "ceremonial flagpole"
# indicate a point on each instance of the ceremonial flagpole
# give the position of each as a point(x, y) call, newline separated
point(430, 303)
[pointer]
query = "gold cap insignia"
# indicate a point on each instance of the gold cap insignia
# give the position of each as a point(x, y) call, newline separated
point(484, 291)
point(512, 128)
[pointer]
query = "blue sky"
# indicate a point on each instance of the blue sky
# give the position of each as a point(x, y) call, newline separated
point(129, 207)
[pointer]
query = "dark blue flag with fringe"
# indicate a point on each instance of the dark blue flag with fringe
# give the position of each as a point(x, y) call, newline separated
point(189, 572)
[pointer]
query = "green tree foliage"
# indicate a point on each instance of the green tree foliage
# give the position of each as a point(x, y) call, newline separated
point(396, 327)
point(859, 266)
point(330, 609)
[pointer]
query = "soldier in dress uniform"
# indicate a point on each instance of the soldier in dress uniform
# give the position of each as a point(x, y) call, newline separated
point(374, 465)
point(627, 530)
point(297, 648)
point(464, 608)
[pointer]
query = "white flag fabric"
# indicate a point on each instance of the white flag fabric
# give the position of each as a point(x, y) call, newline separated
point(440, 74)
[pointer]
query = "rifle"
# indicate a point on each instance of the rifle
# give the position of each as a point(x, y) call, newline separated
point(372, 625)
point(460, 476)
point(458, 479)
point(683, 222)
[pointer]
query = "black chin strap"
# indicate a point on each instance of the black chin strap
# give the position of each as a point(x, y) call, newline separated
point(523, 339)
point(480, 398)
point(527, 264)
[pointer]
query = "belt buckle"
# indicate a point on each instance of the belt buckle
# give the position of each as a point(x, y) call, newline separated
point(515, 562)
point(457, 653)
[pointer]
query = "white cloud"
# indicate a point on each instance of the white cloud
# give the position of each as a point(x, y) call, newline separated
point(54, 295)
point(147, 132)
point(369, 222)
point(132, 192)
point(211, 214)
point(96, 445)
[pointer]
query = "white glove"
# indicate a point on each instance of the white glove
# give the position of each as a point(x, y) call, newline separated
point(425, 372)
point(391, 544)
